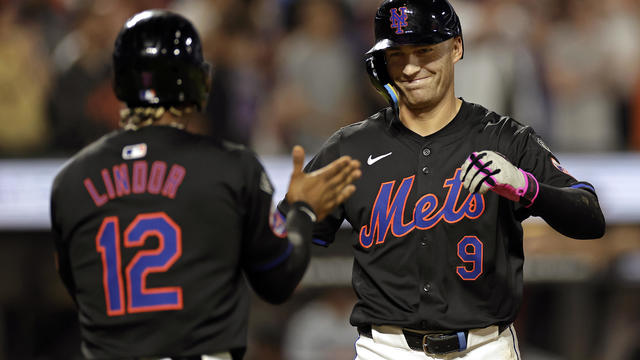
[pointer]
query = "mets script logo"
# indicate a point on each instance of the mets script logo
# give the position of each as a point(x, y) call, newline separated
point(398, 21)
point(387, 213)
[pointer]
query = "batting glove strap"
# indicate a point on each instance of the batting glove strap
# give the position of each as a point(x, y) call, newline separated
point(529, 192)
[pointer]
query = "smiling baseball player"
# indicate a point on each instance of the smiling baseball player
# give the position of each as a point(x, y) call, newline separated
point(438, 245)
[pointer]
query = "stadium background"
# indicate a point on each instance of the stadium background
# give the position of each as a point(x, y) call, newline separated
point(291, 71)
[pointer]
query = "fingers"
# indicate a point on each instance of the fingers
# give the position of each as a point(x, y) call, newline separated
point(346, 178)
point(338, 188)
point(336, 184)
point(335, 199)
point(324, 188)
point(346, 193)
point(297, 154)
point(339, 173)
point(333, 168)
point(467, 167)
point(347, 175)
point(477, 174)
point(356, 173)
point(480, 185)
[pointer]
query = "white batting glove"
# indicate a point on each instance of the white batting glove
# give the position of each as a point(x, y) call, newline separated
point(490, 170)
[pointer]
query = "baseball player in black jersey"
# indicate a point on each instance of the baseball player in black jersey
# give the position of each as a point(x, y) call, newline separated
point(438, 251)
point(157, 228)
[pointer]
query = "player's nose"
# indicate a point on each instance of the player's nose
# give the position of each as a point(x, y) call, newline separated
point(410, 69)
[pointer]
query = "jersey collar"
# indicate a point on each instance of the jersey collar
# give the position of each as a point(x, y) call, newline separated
point(453, 129)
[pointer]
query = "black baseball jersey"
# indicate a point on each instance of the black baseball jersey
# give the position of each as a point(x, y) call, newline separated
point(427, 253)
point(153, 230)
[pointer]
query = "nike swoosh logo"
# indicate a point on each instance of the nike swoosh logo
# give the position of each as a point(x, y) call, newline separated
point(371, 161)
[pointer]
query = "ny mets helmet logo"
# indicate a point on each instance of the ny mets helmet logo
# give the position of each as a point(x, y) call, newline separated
point(398, 20)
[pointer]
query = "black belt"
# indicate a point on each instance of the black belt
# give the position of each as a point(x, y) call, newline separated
point(437, 343)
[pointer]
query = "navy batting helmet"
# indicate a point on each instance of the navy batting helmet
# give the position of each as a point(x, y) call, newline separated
point(407, 22)
point(158, 61)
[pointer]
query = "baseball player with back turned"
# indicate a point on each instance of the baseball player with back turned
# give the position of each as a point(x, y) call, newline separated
point(437, 214)
point(156, 228)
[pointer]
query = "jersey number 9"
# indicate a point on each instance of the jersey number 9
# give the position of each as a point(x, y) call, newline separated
point(470, 250)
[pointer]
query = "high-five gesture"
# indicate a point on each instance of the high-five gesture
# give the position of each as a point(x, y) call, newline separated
point(325, 188)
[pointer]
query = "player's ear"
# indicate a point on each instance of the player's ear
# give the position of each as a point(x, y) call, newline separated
point(456, 49)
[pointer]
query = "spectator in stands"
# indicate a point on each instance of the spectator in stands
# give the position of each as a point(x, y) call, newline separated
point(82, 105)
point(314, 94)
point(622, 31)
point(24, 83)
point(501, 67)
point(584, 112)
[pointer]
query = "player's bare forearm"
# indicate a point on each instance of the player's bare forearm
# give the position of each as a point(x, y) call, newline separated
point(572, 212)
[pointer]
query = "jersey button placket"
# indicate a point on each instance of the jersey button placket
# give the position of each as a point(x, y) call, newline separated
point(426, 287)
point(425, 153)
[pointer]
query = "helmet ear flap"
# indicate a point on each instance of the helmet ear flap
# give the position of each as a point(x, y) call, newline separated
point(379, 76)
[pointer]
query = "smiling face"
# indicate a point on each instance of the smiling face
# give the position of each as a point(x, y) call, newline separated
point(423, 74)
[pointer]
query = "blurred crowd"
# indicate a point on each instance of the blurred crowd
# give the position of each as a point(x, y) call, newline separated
point(291, 71)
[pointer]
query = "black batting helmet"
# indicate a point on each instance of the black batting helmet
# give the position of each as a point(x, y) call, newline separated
point(407, 22)
point(158, 61)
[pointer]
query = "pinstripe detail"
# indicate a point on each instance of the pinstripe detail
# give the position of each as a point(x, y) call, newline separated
point(515, 341)
point(355, 348)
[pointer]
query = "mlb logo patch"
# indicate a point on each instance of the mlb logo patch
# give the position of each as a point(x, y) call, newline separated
point(136, 151)
point(557, 165)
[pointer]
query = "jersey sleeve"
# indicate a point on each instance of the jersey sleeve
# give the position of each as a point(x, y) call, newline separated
point(61, 245)
point(265, 244)
point(324, 231)
point(526, 150)
point(529, 152)
point(275, 251)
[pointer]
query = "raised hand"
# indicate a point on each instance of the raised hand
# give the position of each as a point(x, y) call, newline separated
point(325, 188)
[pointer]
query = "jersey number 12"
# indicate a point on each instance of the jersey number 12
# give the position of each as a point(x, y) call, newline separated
point(139, 297)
